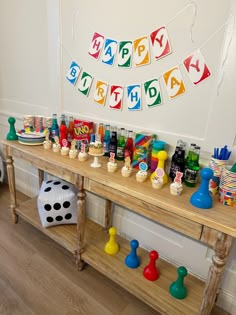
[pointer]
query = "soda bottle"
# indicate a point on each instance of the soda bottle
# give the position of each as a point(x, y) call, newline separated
point(113, 143)
point(70, 130)
point(106, 141)
point(129, 145)
point(121, 145)
point(101, 131)
point(54, 128)
point(173, 163)
point(192, 168)
point(63, 120)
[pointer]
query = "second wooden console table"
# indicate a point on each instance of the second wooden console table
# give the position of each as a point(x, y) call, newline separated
point(216, 227)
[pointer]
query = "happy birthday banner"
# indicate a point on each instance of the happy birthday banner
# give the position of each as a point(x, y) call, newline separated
point(195, 66)
point(137, 50)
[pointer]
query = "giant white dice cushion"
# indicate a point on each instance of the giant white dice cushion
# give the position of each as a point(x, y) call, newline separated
point(57, 203)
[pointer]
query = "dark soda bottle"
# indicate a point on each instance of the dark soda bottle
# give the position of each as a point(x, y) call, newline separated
point(173, 165)
point(129, 146)
point(113, 143)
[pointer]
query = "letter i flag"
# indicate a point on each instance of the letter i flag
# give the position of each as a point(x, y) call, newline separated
point(141, 51)
point(85, 83)
point(116, 97)
point(125, 54)
point(134, 97)
point(160, 43)
point(152, 93)
point(196, 67)
point(73, 73)
point(100, 92)
point(174, 82)
point(109, 52)
point(96, 45)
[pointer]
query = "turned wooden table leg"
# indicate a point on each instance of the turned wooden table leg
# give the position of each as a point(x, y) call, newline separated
point(222, 249)
point(41, 177)
point(108, 216)
point(80, 225)
point(12, 187)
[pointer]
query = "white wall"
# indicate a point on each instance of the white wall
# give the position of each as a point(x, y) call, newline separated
point(40, 38)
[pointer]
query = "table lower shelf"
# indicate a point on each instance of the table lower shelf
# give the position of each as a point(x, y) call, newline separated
point(156, 294)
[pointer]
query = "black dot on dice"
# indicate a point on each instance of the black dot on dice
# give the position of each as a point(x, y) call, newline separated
point(48, 182)
point(65, 187)
point(47, 207)
point(59, 218)
point(57, 206)
point(47, 189)
point(49, 219)
point(66, 204)
point(57, 183)
point(68, 216)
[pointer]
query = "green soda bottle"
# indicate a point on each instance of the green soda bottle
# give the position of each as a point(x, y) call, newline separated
point(192, 168)
point(121, 145)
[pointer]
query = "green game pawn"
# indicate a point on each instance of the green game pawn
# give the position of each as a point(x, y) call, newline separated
point(12, 132)
point(177, 288)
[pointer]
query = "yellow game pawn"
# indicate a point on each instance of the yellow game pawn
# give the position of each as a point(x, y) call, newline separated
point(112, 247)
point(162, 157)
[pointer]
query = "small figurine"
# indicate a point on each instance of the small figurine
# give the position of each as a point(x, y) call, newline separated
point(12, 132)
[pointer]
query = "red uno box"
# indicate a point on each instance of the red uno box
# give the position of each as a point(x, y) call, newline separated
point(83, 129)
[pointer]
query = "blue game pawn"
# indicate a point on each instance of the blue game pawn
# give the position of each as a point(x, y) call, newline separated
point(132, 260)
point(202, 197)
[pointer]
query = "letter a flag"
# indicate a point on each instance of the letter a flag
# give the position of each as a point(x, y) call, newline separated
point(96, 45)
point(100, 92)
point(152, 93)
point(196, 67)
point(116, 97)
point(174, 82)
point(134, 97)
point(109, 51)
point(85, 83)
point(160, 43)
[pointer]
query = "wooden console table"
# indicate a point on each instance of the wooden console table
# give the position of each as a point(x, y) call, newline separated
point(216, 227)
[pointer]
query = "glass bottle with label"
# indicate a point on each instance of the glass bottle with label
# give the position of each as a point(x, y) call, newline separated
point(192, 168)
point(129, 146)
point(54, 128)
point(113, 143)
point(101, 131)
point(121, 145)
point(70, 130)
point(106, 141)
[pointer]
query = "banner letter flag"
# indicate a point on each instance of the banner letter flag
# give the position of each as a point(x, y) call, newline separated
point(160, 43)
point(125, 54)
point(174, 82)
point(196, 67)
point(152, 93)
point(116, 97)
point(73, 73)
point(85, 83)
point(134, 97)
point(141, 51)
point(100, 92)
point(109, 51)
point(96, 45)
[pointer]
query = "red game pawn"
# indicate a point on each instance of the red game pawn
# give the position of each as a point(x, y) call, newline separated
point(151, 272)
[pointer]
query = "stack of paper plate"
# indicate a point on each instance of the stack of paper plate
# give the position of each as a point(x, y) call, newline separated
point(32, 138)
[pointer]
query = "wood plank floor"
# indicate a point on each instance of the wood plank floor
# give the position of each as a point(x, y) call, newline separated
point(38, 276)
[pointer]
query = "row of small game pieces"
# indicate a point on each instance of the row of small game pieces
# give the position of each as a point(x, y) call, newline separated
point(177, 288)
